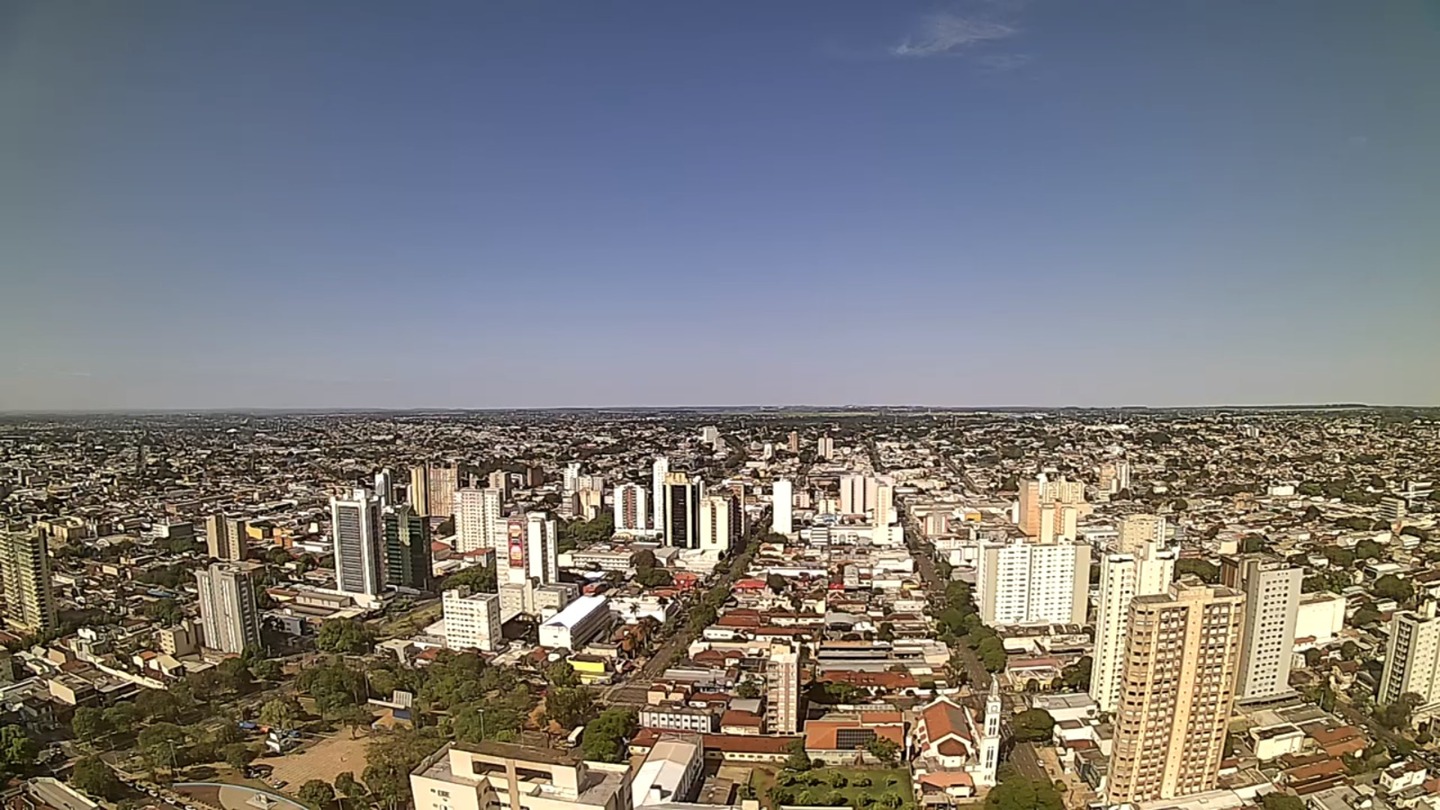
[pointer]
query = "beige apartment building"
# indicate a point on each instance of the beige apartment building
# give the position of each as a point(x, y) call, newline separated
point(500, 776)
point(1182, 657)
point(1051, 509)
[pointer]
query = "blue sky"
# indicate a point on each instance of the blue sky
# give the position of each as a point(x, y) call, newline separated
point(507, 204)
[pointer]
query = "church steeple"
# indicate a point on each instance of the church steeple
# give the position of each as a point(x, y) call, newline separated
point(990, 741)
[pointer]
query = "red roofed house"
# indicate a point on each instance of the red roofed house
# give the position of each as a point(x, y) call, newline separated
point(952, 750)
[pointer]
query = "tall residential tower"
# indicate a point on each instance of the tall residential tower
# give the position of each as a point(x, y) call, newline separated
point(1182, 655)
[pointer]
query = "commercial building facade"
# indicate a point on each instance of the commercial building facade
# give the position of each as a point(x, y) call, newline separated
point(354, 528)
point(408, 563)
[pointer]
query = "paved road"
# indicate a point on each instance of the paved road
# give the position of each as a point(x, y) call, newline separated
point(1027, 763)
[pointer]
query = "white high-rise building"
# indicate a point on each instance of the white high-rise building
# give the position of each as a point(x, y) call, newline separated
point(825, 447)
point(385, 488)
point(1024, 582)
point(630, 508)
point(1412, 659)
point(782, 681)
point(541, 537)
point(715, 529)
point(355, 531)
point(572, 478)
point(229, 617)
point(1122, 578)
point(478, 518)
point(782, 497)
point(1267, 636)
point(857, 494)
point(472, 621)
point(657, 492)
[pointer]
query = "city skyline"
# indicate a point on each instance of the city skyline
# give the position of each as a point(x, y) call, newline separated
point(958, 204)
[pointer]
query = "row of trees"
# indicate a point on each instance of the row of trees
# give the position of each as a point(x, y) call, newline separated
point(960, 622)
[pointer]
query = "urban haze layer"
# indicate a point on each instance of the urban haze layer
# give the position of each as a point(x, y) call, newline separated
point(1204, 609)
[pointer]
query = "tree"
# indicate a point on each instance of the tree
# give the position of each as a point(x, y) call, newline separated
point(354, 716)
point(89, 724)
point(1368, 550)
point(1398, 715)
point(1252, 543)
point(1393, 587)
point(883, 749)
point(1365, 616)
point(121, 715)
point(280, 713)
point(1018, 793)
point(569, 706)
point(775, 583)
point(798, 760)
point(94, 777)
point(561, 673)
point(1350, 650)
point(1281, 801)
point(391, 759)
point(164, 611)
point(604, 738)
point(158, 742)
point(655, 578)
point(235, 675)
point(344, 636)
point(1207, 572)
point(1077, 675)
point(992, 653)
point(1033, 725)
point(157, 705)
point(1338, 556)
point(1179, 505)
point(348, 786)
point(644, 560)
point(265, 669)
point(747, 690)
point(238, 755)
point(316, 793)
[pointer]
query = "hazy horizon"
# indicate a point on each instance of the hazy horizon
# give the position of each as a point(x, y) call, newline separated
point(374, 206)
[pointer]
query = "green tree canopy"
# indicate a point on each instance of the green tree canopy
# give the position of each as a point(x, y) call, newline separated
point(1033, 725)
point(94, 777)
point(1281, 801)
point(344, 636)
point(316, 793)
point(1207, 571)
point(1019, 793)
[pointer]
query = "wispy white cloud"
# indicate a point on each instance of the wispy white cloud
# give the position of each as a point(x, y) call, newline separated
point(948, 34)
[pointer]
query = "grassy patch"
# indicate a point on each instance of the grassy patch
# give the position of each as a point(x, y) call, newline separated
point(879, 788)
